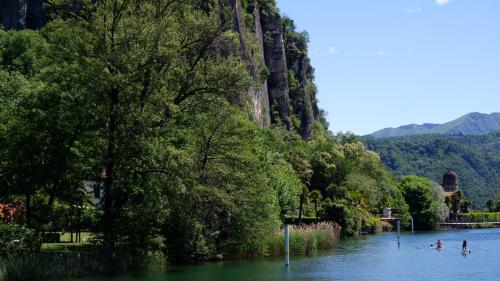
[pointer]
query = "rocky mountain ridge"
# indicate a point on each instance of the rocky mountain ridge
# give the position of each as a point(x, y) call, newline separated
point(470, 124)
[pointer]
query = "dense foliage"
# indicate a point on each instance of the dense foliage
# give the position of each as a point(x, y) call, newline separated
point(475, 158)
point(425, 200)
point(15, 238)
point(353, 182)
point(479, 217)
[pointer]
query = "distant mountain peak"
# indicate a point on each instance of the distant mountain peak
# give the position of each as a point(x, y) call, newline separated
point(474, 123)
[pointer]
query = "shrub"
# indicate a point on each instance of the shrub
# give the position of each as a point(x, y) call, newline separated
point(387, 227)
point(304, 239)
point(341, 214)
point(51, 237)
point(302, 221)
point(479, 217)
point(373, 225)
point(50, 264)
point(14, 238)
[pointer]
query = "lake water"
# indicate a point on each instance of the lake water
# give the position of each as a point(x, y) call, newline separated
point(365, 258)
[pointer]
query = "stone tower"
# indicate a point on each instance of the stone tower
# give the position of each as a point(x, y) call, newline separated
point(450, 182)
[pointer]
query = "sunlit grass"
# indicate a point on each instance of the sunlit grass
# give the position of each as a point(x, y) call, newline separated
point(304, 239)
point(66, 244)
point(66, 236)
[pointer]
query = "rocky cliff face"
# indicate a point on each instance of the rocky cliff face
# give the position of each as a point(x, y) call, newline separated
point(283, 91)
point(21, 14)
point(276, 55)
point(251, 49)
point(301, 75)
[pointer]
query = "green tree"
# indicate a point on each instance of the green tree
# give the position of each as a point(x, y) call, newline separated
point(272, 150)
point(139, 66)
point(341, 213)
point(228, 204)
point(303, 201)
point(44, 126)
point(418, 194)
point(465, 206)
point(490, 204)
point(315, 197)
point(455, 202)
point(442, 209)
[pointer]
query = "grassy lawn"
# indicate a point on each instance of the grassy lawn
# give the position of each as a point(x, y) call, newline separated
point(61, 246)
point(65, 244)
point(66, 237)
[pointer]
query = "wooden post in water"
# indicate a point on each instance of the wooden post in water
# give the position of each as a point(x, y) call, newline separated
point(287, 245)
point(412, 228)
point(398, 224)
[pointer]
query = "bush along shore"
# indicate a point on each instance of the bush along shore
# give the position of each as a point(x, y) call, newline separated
point(44, 265)
point(85, 260)
point(304, 239)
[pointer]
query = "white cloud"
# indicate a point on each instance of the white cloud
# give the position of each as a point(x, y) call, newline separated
point(381, 53)
point(442, 2)
point(411, 10)
point(332, 50)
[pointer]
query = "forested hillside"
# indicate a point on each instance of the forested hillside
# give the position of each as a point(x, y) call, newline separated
point(475, 158)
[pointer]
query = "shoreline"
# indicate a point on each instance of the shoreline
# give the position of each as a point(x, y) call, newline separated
point(468, 225)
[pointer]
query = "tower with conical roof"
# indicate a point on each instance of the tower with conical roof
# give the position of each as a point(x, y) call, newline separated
point(450, 182)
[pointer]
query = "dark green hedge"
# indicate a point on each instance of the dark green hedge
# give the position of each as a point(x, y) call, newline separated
point(479, 217)
point(51, 237)
point(304, 220)
point(14, 238)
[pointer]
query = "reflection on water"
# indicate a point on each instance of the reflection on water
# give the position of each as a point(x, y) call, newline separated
point(364, 258)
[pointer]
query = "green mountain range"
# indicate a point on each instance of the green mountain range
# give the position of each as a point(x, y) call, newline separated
point(470, 124)
point(476, 158)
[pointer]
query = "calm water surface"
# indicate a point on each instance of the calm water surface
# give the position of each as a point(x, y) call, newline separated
point(365, 258)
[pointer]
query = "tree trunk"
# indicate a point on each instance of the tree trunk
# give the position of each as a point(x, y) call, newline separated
point(316, 209)
point(78, 226)
point(301, 208)
point(108, 217)
point(28, 208)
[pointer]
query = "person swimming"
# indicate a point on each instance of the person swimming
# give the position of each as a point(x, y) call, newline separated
point(439, 245)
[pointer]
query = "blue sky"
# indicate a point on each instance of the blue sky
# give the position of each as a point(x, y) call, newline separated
point(386, 63)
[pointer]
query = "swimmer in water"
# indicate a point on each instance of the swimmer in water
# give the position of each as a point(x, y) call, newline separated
point(439, 244)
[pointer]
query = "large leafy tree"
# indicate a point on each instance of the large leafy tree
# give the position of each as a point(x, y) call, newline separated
point(140, 64)
point(228, 202)
point(418, 193)
point(43, 127)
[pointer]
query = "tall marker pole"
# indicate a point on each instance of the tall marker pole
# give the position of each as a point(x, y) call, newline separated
point(287, 245)
point(398, 223)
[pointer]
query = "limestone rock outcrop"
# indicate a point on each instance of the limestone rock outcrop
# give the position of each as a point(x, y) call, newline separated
point(21, 14)
point(275, 57)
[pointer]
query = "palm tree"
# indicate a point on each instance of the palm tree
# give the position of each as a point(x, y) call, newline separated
point(303, 200)
point(456, 201)
point(315, 197)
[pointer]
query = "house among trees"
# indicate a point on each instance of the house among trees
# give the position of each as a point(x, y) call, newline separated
point(94, 189)
point(10, 213)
